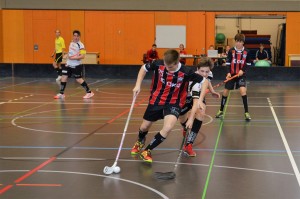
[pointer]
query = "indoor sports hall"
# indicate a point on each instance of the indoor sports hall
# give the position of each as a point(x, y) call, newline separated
point(59, 148)
point(72, 147)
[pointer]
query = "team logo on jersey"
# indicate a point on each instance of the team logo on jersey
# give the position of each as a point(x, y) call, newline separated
point(180, 79)
point(170, 84)
point(244, 56)
point(161, 72)
point(238, 61)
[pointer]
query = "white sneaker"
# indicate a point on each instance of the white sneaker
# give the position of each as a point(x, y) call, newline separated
point(58, 80)
point(59, 96)
point(88, 95)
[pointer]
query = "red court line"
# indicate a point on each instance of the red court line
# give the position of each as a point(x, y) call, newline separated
point(39, 185)
point(26, 175)
point(124, 112)
point(29, 173)
point(5, 189)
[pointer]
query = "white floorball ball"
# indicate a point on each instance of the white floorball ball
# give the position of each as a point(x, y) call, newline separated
point(117, 169)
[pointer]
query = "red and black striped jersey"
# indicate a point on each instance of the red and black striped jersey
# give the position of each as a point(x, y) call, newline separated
point(170, 87)
point(238, 60)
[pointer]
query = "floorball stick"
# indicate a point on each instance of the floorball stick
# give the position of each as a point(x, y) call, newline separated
point(114, 168)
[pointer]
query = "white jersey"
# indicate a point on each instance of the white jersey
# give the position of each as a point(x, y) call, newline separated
point(195, 88)
point(74, 50)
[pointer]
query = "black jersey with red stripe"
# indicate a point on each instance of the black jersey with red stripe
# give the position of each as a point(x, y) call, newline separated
point(170, 87)
point(238, 60)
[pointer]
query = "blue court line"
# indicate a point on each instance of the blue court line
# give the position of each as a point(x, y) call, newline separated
point(157, 149)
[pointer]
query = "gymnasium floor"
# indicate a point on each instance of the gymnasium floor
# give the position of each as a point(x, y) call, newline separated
point(58, 148)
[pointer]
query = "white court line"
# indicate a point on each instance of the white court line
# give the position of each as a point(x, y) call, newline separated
point(111, 177)
point(95, 175)
point(18, 84)
point(159, 162)
point(121, 104)
point(14, 123)
point(286, 145)
point(261, 106)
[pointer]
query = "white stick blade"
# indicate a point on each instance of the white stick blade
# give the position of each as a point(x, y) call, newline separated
point(108, 170)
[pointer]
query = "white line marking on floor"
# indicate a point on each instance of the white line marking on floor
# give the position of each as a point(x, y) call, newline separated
point(19, 84)
point(159, 162)
point(95, 175)
point(286, 145)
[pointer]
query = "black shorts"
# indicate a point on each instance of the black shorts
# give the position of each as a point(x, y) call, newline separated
point(58, 58)
point(154, 113)
point(188, 105)
point(236, 83)
point(76, 72)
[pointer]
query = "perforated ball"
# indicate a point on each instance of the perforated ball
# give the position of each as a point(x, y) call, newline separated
point(117, 169)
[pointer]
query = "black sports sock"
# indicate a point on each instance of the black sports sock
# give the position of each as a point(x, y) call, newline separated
point(223, 102)
point(142, 136)
point(62, 87)
point(245, 102)
point(158, 138)
point(183, 125)
point(194, 132)
point(86, 87)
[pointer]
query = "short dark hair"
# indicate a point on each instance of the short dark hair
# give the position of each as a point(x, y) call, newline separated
point(239, 37)
point(154, 45)
point(205, 62)
point(171, 56)
point(77, 32)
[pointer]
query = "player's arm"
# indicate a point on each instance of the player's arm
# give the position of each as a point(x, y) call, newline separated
point(141, 75)
point(228, 63)
point(199, 79)
point(80, 56)
point(204, 87)
point(139, 80)
point(54, 52)
point(212, 90)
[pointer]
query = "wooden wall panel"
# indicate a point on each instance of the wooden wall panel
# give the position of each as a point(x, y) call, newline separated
point(121, 37)
point(28, 37)
point(292, 34)
point(210, 29)
point(77, 22)
point(63, 23)
point(155, 5)
point(114, 37)
point(170, 18)
point(43, 37)
point(13, 36)
point(195, 34)
point(43, 27)
point(139, 36)
point(94, 28)
point(1, 36)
